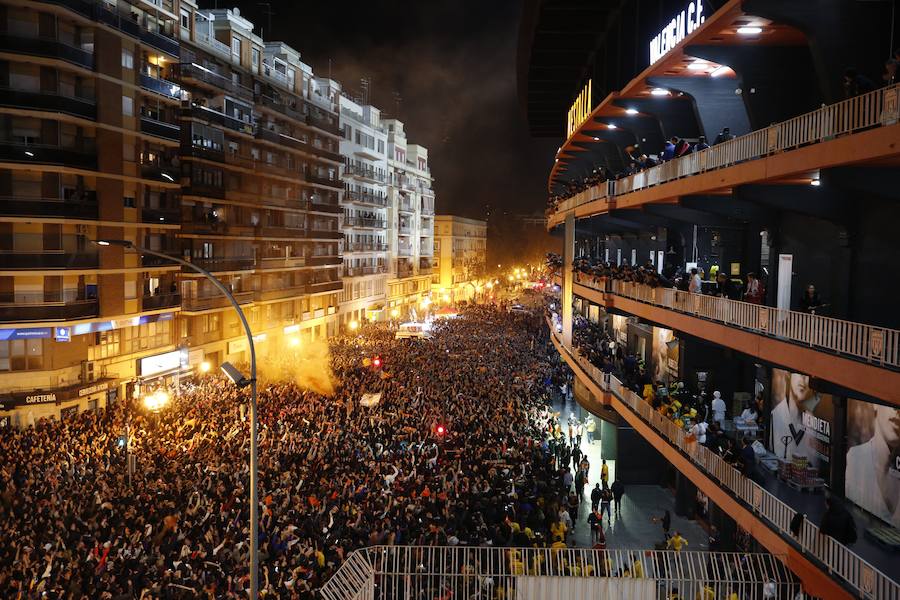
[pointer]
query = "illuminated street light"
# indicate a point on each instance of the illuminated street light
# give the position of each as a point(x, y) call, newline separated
point(205, 366)
point(445, 298)
point(293, 341)
point(353, 325)
point(240, 381)
point(395, 313)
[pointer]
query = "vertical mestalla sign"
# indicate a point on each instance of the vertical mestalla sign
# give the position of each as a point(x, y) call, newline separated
point(682, 25)
point(580, 111)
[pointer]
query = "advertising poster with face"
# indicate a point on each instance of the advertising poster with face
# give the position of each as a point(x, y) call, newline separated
point(801, 420)
point(620, 329)
point(665, 355)
point(872, 478)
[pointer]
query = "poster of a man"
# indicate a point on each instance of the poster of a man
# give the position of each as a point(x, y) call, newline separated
point(873, 459)
point(665, 355)
point(801, 420)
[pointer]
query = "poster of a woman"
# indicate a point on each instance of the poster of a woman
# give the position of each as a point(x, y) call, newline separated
point(801, 419)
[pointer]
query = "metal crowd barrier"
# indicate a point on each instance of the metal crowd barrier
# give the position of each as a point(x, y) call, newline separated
point(872, 109)
point(838, 560)
point(466, 572)
point(878, 345)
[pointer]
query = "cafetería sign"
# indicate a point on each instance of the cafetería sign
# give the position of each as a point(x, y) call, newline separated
point(682, 25)
point(580, 111)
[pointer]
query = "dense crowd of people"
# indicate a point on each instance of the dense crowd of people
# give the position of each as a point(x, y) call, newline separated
point(461, 448)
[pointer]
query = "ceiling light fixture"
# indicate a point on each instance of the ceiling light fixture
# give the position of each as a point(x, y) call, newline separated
point(631, 111)
point(659, 92)
point(815, 182)
point(611, 126)
point(720, 70)
point(749, 30)
point(698, 65)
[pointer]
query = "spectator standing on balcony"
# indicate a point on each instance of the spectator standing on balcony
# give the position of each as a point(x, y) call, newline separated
point(682, 147)
point(756, 291)
point(837, 522)
point(696, 285)
point(724, 136)
point(700, 145)
point(810, 301)
point(668, 152)
point(856, 83)
point(890, 71)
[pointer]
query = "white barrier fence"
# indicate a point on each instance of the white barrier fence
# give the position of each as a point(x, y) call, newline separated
point(450, 572)
point(873, 109)
point(877, 345)
point(838, 560)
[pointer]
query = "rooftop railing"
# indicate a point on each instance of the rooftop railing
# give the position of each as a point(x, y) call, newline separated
point(839, 561)
point(866, 111)
point(403, 572)
point(867, 343)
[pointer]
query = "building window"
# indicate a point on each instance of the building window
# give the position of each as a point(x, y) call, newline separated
point(255, 64)
point(127, 106)
point(128, 201)
point(236, 47)
point(185, 20)
point(21, 355)
point(127, 59)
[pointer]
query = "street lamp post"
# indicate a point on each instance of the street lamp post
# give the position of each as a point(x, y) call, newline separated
point(240, 381)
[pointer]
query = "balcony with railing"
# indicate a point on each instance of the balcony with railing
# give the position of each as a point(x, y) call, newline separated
point(37, 260)
point(406, 205)
point(323, 206)
point(226, 263)
point(823, 552)
point(16, 308)
point(335, 183)
point(404, 229)
point(83, 206)
point(201, 303)
point(77, 105)
point(217, 117)
point(364, 223)
point(162, 129)
point(366, 247)
point(364, 172)
point(425, 266)
point(364, 198)
point(323, 260)
point(171, 214)
point(324, 234)
point(199, 74)
point(823, 126)
point(45, 47)
point(325, 286)
point(404, 250)
point(160, 301)
point(280, 292)
point(325, 124)
point(365, 270)
point(83, 156)
point(161, 86)
point(862, 357)
point(483, 573)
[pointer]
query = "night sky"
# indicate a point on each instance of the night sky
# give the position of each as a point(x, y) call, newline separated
point(453, 64)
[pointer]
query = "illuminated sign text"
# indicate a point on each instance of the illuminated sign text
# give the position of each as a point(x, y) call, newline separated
point(580, 111)
point(682, 25)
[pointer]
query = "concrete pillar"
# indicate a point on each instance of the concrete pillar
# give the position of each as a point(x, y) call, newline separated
point(568, 256)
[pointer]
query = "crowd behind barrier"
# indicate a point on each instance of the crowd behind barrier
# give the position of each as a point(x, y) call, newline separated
point(461, 448)
point(693, 424)
point(741, 303)
point(863, 108)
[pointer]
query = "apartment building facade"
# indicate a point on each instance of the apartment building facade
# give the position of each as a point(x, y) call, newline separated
point(411, 230)
point(182, 131)
point(460, 247)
